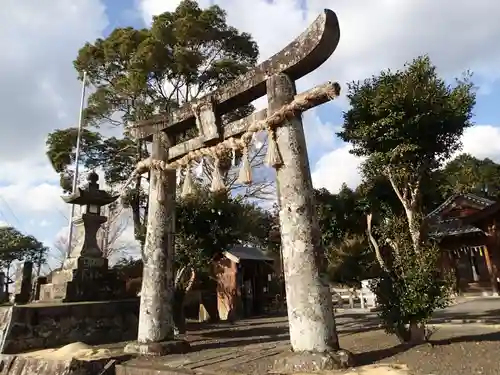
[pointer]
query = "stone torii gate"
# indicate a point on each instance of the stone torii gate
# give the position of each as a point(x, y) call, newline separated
point(310, 310)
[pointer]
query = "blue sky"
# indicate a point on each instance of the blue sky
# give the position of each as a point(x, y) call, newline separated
point(122, 13)
point(39, 93)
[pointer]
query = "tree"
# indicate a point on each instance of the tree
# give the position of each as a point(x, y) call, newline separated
point(350, 261)
point(137, 73)
point(406, 123)
point(110, 235)
point(273, 232)
point(467, 174)
point(207, 225)
point(341, 222)
point(410, 288)
point(18, 247)
point(338, 215)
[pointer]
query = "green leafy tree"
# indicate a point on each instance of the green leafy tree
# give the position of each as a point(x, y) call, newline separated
point(410, 288)
point(467, 174)
point(407, 123)
point(341, 223)
point(350, 261)
point(223, 222)
point(273, 234)
point(338, 214)
point(137, 73)
point(18, 247)
point(207, 225)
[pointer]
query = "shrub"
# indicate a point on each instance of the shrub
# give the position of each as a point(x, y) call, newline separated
point(412, 286)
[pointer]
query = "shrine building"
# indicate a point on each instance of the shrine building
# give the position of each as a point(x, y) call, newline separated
point(465, 227)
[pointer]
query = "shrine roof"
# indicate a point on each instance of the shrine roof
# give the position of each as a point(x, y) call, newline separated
point(484, 216)
point(451, 227)
point(238, 253)
point(441, 226)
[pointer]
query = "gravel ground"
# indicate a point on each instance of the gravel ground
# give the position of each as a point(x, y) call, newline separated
point(457, 350)
point(453, 349)
point(466, 349)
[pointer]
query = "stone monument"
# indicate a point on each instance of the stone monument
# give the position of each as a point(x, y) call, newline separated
point(4, 296)
point(22, 286)
point(85, 275)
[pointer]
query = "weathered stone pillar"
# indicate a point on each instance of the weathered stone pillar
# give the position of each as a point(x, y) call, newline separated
point(156, 324)
point(309, 301)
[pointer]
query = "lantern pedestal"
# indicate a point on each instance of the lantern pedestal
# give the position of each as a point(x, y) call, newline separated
point(85, 275)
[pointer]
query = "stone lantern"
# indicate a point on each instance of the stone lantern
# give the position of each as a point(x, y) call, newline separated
point(85, 248)
point(85, 275)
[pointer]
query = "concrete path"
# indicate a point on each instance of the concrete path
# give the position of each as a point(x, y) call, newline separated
point(472, 310)
point(483, 310)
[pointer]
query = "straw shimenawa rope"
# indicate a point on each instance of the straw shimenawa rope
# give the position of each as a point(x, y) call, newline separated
point(298, 105)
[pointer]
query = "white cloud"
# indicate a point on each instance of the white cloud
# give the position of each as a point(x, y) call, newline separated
point(482, 141)
point(335, 168)
point(27, 171)
point(374, 35)
point(320, 135)
point(338, 166)
point(38, 87)
point(41, 198)
point(39, 92)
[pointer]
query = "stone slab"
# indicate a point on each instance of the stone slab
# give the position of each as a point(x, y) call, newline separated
point(158, 348)
point(221, 361)
point(16, 365)
point(290, 362)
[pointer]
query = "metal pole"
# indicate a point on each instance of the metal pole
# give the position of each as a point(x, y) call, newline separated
point(77, 161)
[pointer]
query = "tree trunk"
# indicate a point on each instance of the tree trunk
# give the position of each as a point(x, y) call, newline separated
point(156, 316)
point(179, 297)
point(414, 228)
point(309, 301)
point(410, 207)
point(178, 314)
point(373, 241)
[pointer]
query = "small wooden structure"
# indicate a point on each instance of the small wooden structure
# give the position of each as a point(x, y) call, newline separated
point(243, 277)
point(465, 228)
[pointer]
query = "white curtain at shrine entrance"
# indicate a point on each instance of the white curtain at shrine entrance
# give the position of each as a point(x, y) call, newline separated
point(475, 258)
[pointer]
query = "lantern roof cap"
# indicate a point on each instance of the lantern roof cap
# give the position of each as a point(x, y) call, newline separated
point(91, 194)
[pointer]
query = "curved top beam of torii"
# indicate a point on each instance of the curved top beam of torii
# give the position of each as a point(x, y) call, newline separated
point(302, 56)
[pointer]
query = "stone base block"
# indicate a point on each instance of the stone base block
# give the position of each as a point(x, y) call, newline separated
point(306, 362)
point(158, 348)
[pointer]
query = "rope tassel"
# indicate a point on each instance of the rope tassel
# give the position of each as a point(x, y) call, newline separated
point(300, 103)
point(217, 181)
point(245, 175)
point(187, 185)
point(273, 156)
